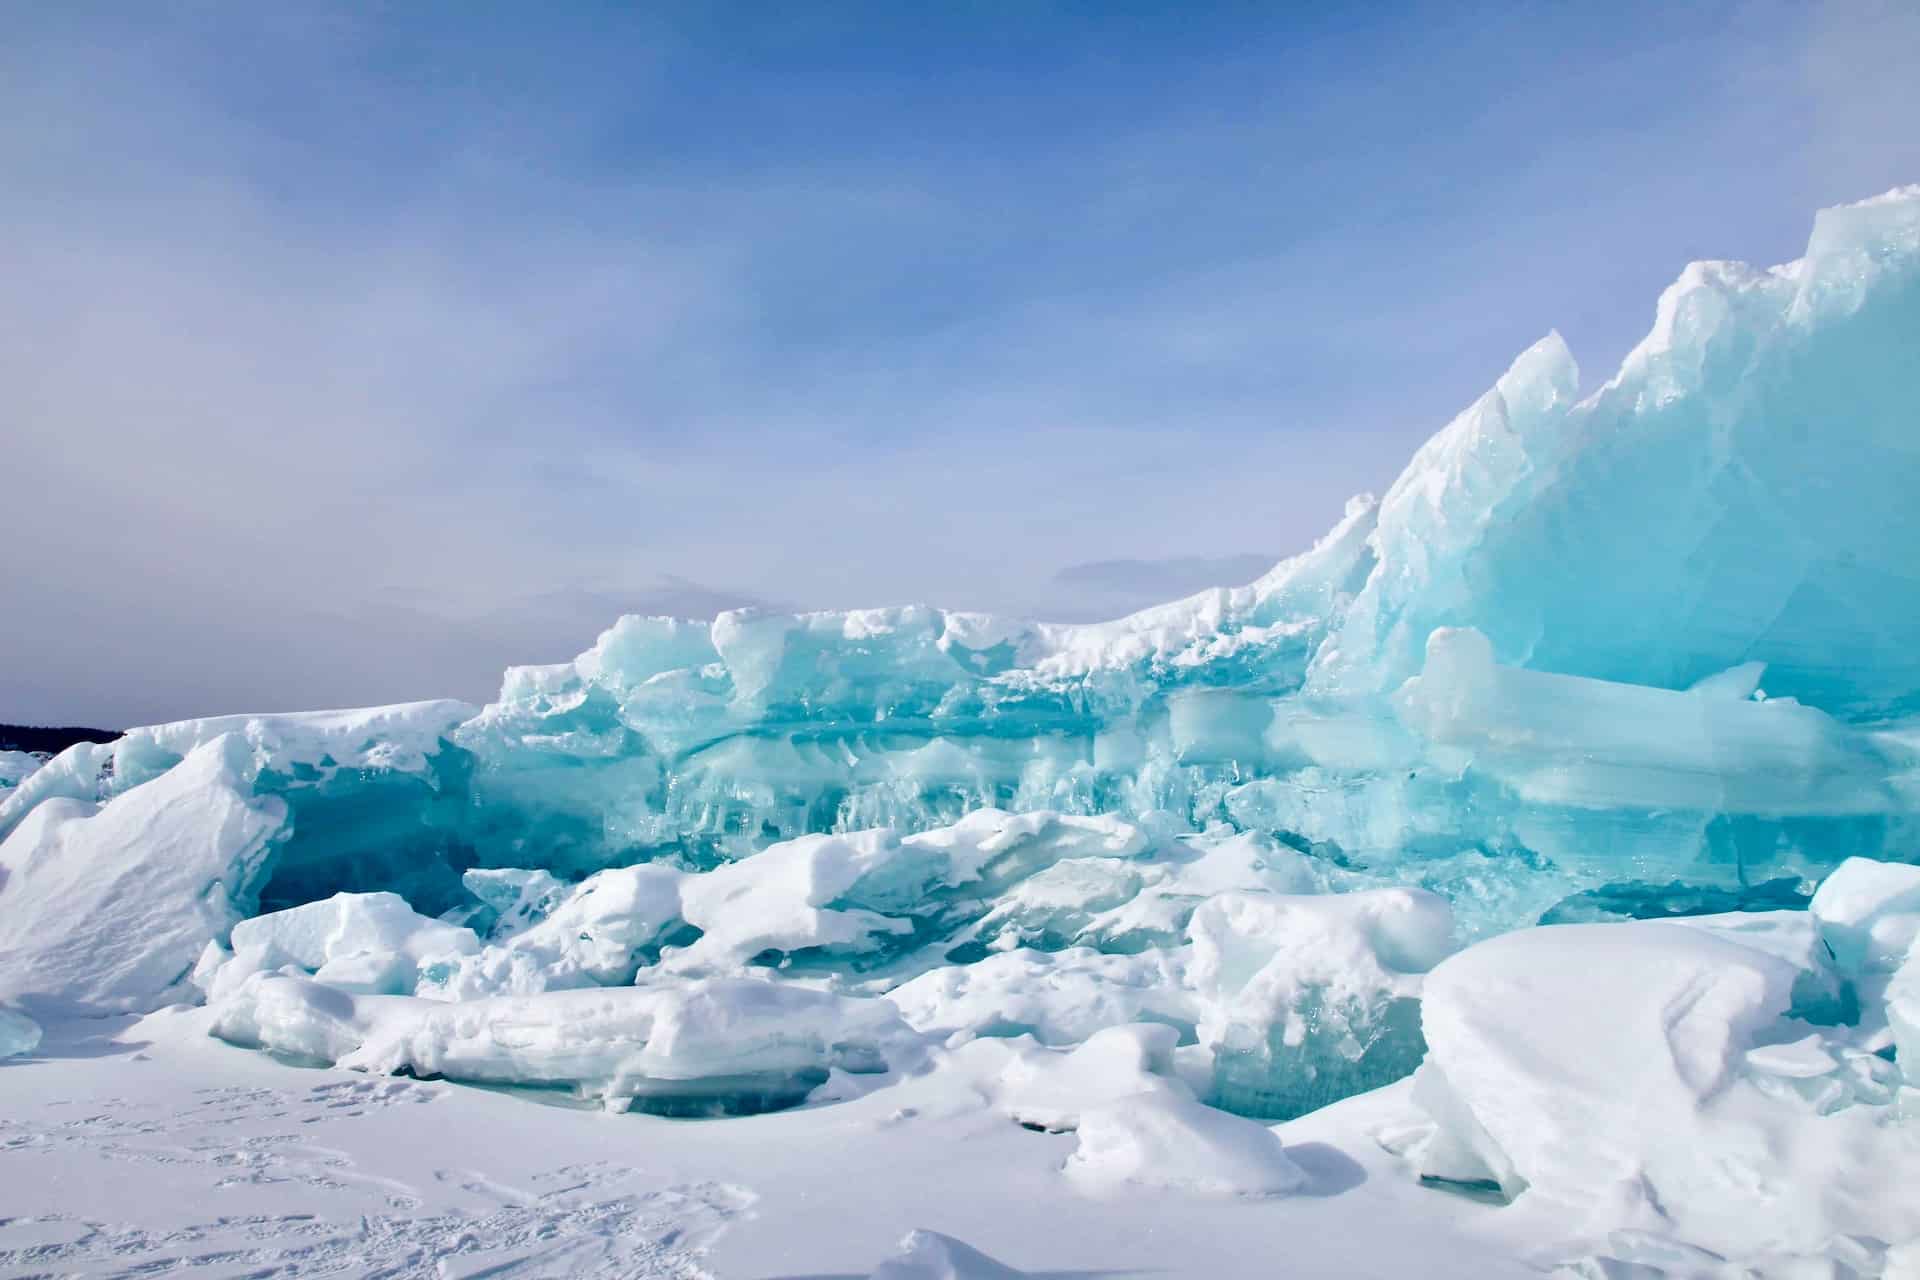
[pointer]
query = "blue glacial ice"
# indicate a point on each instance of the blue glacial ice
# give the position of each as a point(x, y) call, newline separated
point(1650, 650)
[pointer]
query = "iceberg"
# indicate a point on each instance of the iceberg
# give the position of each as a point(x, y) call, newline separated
point(1595, 658)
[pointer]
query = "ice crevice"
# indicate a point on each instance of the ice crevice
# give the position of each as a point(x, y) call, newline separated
point(1576, 778)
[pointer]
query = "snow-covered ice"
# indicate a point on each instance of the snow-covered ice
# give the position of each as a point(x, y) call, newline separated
point(1520, 880)
point(1175, 1143)
point(708, 1043)
point(108, 906)
point(15, 767)
point(1644, 1076)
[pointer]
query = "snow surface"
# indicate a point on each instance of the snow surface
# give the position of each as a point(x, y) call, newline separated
point(129, 1142)
point(1514, 883)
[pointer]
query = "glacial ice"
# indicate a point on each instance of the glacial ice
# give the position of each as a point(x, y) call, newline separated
point(1578, 777)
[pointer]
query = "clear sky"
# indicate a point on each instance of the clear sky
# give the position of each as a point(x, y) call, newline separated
point(349, 353)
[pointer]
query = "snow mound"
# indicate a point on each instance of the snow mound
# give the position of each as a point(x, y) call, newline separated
point(1869, 914)
point(1654, 1079)
point(1176, 1144)
point(928, 1255)
point(1048, 1090)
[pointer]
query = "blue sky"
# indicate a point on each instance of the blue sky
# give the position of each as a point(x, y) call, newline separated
point(354, 352)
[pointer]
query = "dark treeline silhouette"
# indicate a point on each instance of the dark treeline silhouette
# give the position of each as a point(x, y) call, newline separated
point(49, 738)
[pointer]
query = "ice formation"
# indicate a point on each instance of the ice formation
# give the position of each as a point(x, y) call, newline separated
point(15, 767)
point(108, 906)
point(1418, 798)
point(18, 1034)
point(705, 1046)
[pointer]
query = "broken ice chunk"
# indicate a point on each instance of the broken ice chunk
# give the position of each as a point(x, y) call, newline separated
point(16, 767)
point(1869, 914)
point(1059, 998)
point(1050, 909)
point(705, 1046)
point(106, 907)
point(366, 942)
point(1596, 744)
point(1305, 999)
point(1903, 1018)
point(517, 898)
point(1735, 684)
point(18, 1034)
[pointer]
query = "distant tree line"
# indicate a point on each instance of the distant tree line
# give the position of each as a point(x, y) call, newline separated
point(49, 738)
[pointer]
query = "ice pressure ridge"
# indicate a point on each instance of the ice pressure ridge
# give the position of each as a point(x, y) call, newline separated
point(1653, 651)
